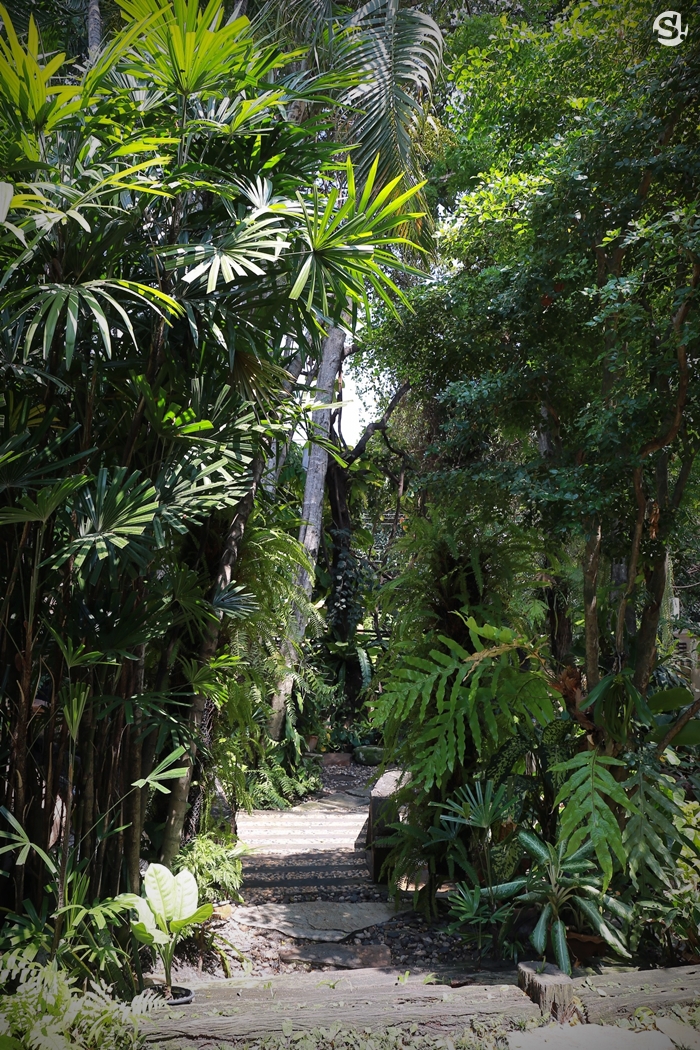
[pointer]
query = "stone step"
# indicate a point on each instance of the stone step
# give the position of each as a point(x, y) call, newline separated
point(290, 881)
point(320, 862)
point(343, 956)
point(294, 863)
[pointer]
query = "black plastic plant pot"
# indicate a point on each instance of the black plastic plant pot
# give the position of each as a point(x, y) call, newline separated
point(180, 997)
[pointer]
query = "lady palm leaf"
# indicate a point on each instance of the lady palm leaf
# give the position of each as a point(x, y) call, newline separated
point(111, 517)
point(347, 245)
point(188, 50)
point(50, 305)
point(250, 243)
point(29, 95)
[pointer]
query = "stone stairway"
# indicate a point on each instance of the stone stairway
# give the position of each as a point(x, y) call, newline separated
point(315, 849)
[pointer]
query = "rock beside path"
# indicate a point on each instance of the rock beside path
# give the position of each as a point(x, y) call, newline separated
point(343, 956)
point(587, 1037)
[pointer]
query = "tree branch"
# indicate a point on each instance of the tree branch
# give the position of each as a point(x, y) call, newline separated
point(653, 446)
point(379, 424)
point(677, 726)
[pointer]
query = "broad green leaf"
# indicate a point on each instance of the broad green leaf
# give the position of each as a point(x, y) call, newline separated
point(670, 700)
point(561, 950)
point(539, 934)
point(146, 918)
point(186, 896)
point(688, 736)
point(161, 891)
point(534, 846)
point(200, 915)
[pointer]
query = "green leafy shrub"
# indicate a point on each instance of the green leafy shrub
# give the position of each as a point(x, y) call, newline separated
point(482, 810)
point(42, 1007)
point(560, 882)
point(273, 785)
point(475, 914)
point(453, 709)
point(446, 718)
point(215, 862)
point(88, 944)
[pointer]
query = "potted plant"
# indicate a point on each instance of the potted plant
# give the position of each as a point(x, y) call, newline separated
point(170, 905)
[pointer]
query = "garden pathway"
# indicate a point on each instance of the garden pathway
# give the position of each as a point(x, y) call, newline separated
point(310, 850)
point(307, 888)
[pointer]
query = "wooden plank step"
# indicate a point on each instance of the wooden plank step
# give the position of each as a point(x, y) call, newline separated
point(239, 1008)
point(609, 996)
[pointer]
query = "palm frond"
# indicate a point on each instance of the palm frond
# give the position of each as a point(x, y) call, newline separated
point(399, 53)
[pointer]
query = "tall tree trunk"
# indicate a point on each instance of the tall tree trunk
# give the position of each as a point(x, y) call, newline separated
point(312, 512)
point(94, 28)
point(134, 763)
point(649, 625)
point(338, 491)
point(278, 456)
point(591, 565)
point(232, 546)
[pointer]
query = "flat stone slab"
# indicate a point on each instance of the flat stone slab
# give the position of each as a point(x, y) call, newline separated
point(588, 1037)
point(316, 920)
point(681, 1034)
point(344, 956)
point(247, 1008)
point(328, 825)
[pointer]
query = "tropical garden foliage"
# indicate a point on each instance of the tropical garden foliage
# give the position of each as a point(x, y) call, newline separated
point(212, 214)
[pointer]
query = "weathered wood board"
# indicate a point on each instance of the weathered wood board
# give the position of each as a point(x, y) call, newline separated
point(547, 986)
point(249, 1008)
point(606, 997)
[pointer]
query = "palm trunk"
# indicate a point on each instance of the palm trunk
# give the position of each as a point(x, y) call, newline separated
point(94, 28)
point(312, 511)
point(133, 805)
point(87, 842)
